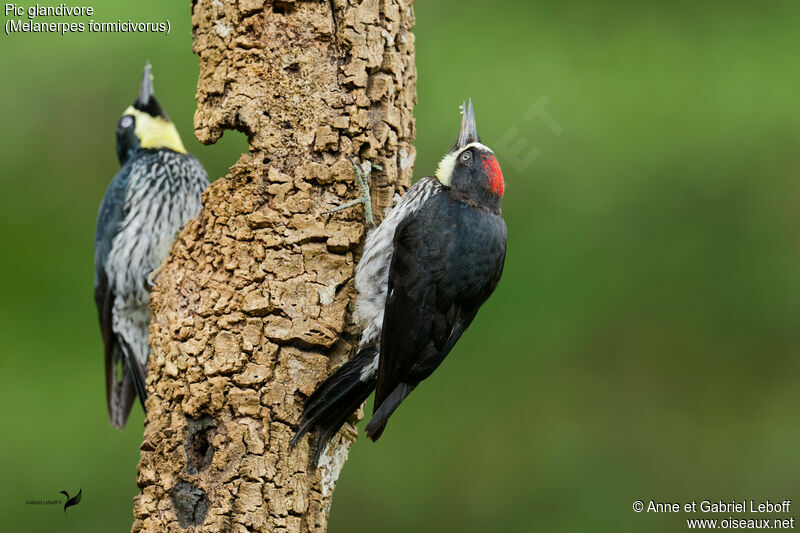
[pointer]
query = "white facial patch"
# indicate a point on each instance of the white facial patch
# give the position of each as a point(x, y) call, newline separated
point(444, 172)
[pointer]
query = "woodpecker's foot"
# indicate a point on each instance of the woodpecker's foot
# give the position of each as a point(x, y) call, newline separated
point(150, 279)
point(362, 177)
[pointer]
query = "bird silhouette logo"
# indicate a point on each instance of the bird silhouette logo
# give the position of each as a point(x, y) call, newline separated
point(75, 500)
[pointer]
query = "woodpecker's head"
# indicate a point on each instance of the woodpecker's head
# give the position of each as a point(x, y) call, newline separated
point(470, 169)
point(145, 124)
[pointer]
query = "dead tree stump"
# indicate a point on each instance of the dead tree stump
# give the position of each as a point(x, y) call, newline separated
point(255, 305)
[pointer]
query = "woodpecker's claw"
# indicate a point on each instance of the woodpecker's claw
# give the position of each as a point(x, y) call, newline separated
point(150, 280)
point(362, 177)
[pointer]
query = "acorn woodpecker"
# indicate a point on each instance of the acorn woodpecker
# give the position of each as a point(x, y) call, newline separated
point(152, 196)
point(425, 272)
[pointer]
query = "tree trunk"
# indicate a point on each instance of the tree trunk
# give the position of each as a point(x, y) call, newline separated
point(255, 305)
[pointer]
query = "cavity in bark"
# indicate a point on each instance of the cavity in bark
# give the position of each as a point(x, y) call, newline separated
point(191, 504)
point(199, 450)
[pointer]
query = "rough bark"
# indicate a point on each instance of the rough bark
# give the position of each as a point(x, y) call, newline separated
point(255, 304)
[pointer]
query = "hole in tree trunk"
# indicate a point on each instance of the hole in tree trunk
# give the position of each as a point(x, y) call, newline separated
point(199, 450)
point(191, 504)
point(293, 69)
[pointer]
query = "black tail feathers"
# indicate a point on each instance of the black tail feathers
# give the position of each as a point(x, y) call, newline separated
point(137, 372)
point(120, 393)
point(384, 410)
point(337, 398)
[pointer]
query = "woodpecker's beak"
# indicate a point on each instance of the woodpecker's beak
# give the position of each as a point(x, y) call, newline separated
point(146, 88)
point(469, 132)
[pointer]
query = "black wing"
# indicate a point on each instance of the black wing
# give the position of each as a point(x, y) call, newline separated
point(447, 261)
point(120, 393)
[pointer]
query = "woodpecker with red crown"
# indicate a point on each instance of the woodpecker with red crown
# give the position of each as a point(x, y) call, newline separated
point(425, 272)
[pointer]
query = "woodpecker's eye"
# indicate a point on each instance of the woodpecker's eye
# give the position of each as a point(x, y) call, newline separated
point(465, 157)
point(126, 122)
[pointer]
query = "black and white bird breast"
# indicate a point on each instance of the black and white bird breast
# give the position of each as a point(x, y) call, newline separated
point(163, 193)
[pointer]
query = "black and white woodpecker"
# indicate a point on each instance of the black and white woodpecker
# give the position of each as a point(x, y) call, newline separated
point(149, 200)
point(425, 272)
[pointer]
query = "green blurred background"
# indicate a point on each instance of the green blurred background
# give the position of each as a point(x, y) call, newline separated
point(642, 344)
